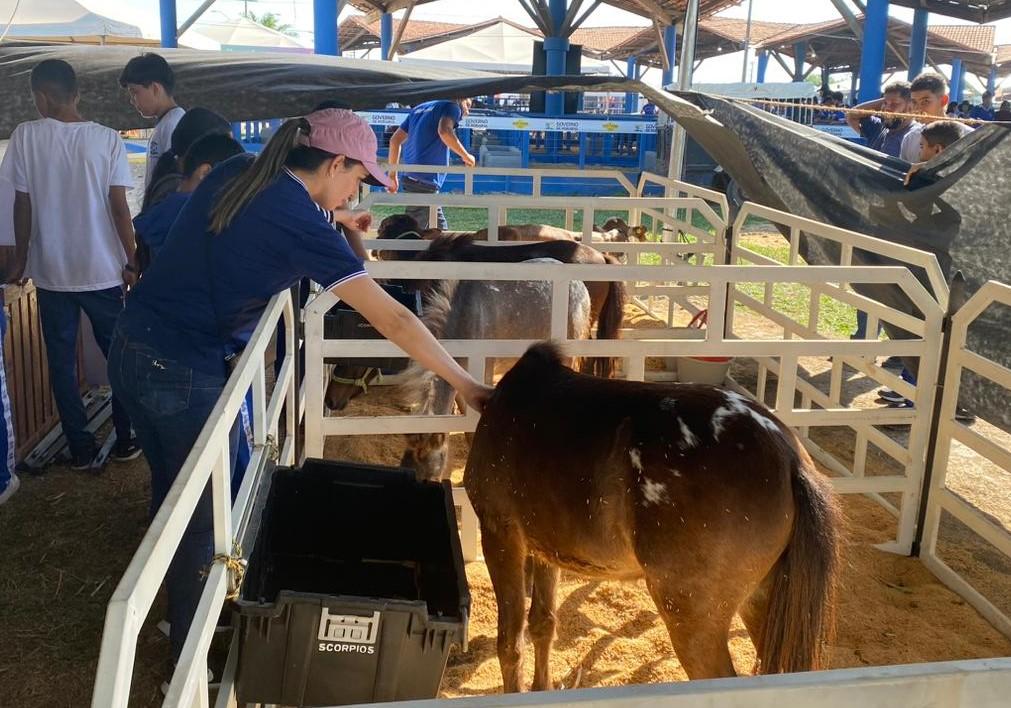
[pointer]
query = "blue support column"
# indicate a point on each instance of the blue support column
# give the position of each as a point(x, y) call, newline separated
point(670, 41)
point(169, 23)
point(763, 66)
point(991, 81)
point(385, 35)
point(324, 27)
point(631, 97)
point(918, 43)
point(799, 54)
point(555, 49)
point(872, 57)
point(955, 85)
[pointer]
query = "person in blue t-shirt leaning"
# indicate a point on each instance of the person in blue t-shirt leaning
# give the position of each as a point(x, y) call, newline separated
point(426, 137)
point(249, 231)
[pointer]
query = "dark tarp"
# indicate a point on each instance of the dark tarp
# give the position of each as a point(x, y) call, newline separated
point(958, 208)
point(255, 85)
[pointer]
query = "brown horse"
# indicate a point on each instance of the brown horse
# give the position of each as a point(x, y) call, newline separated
point(700, 491)
point(615, 230)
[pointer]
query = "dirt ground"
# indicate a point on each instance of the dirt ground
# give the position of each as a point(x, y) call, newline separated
point(891, 609)
point(67, 538)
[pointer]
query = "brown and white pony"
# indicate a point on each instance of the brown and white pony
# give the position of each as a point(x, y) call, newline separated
point(699, 490)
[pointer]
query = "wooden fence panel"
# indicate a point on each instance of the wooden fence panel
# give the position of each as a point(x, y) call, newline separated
point(34, 409)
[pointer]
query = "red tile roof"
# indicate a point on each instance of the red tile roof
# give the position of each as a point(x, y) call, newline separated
point(980, 38)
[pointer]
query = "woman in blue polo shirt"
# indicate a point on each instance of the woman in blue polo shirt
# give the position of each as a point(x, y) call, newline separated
point(249, 231)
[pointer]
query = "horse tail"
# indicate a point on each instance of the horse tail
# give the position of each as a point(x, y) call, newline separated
point(612, 313)
point(800, 617)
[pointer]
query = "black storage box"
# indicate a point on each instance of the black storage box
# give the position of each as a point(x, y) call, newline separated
point(355, 590)
point(344, 322)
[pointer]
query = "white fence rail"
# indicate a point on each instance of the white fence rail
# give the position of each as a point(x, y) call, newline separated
point(941, 498)
point(536, 174)
point(983, 683)
point(210, 459)
point(714, 284)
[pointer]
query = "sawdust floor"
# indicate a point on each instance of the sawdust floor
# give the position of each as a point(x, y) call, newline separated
point(891, 609)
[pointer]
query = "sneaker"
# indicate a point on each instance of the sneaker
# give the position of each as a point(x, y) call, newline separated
point(887, 394)
point(13, 485)
point(124, 451)
point(83, 461)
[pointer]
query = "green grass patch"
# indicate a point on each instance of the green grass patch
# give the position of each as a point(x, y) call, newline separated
point(836, 319)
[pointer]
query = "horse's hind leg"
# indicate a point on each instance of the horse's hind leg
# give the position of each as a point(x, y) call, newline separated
point(754, 613)
point(505, 556)
point(543, 621)
point(698, 623)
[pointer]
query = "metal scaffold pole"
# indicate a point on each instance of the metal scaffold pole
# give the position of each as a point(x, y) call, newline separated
point(675, 165)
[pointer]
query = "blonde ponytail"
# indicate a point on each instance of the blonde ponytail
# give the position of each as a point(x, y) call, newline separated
point(268, 165)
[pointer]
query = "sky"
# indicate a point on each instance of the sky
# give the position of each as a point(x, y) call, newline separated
point(298, 14)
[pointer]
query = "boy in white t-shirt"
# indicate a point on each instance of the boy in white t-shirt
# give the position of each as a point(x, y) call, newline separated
point(150, 82)
point(74, 239)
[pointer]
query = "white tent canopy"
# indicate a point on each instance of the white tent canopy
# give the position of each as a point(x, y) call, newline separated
point(240, 33)
point(501, 48)
point(64, 21)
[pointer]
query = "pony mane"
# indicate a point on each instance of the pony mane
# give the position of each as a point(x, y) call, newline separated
point(444, 246)
point(416, 388)
point(437, 306)
point(547, 353)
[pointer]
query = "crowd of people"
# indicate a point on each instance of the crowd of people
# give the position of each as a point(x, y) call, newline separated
point(174, 294)
point(984, 110)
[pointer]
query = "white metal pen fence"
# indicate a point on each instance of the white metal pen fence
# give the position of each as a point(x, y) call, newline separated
point(209, 461)
point(798, 400)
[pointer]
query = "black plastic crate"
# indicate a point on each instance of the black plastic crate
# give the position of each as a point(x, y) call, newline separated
point(355, 590)
point(344, 322)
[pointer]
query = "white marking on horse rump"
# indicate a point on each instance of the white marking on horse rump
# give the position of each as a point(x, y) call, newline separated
point(654, 492)
point(736, 405)
point(636, 458)
point(688, 438)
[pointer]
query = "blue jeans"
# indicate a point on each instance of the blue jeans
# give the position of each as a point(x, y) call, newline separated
point(420, 213)
point(7, 445)
point(169, 404)
point(60, 315)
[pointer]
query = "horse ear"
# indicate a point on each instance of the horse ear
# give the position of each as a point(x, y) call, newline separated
point(958, 293)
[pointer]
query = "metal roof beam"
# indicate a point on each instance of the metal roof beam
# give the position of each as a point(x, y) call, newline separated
point(656, 11)
point(779, 59)
point(570, 15)
point(538, 19)
point(851, 20)
point(582, 18)
point(400, 31)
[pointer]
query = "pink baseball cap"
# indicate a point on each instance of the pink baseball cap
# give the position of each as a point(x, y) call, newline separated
point(341, 132)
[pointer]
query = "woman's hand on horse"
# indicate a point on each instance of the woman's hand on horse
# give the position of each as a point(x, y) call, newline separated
point(353, 219)
point(477, 395)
